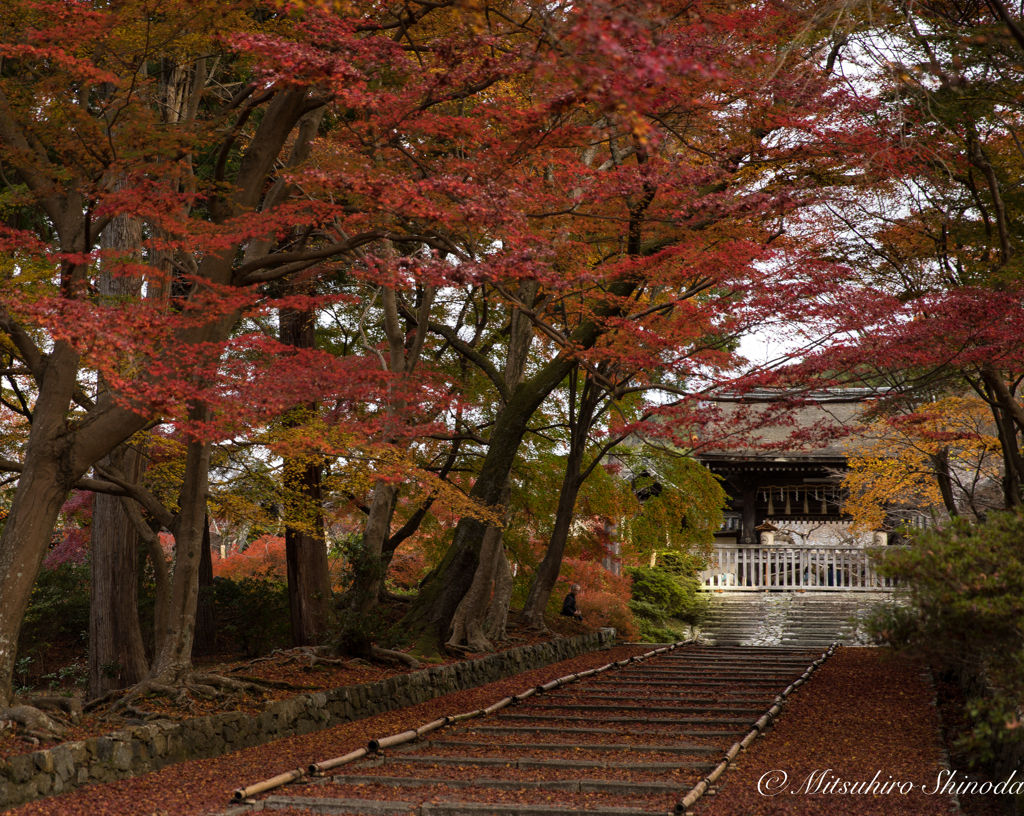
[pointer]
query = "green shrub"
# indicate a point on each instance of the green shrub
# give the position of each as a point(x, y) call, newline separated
point(253, 612)
point(657, 588)
point(58, 610)
point(681, 564)
point(966, 607)
point(672, 594)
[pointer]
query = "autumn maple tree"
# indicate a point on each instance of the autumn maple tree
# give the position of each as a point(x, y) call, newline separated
point(503, 203)
point(663, 204)
point(197, 122)
point(929, 309)
point(940, 457)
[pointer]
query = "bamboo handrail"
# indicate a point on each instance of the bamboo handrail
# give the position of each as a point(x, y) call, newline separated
point(376, 745)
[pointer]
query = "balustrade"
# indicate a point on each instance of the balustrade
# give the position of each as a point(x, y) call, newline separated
point(795, 566)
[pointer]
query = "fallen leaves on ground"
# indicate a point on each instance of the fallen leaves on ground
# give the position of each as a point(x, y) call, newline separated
point(205, 786)
point(865, 712)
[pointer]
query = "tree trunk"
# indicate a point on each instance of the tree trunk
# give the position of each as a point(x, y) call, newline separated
point(1004, 410)
point(174, 659)
point(309, 577)
point(206, 619)
point(497, 614)
point(940, 462)
point(581, 422)
point(467, 624)
point(375, 555)
point(369, 566)
point(544, 581)
point(117, 656)
point(23, 545)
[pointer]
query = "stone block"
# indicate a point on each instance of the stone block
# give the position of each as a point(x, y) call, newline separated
point(121, 755)
point(79, 751)
point(104, 748)
point(43, 761)
point(22, 767)
point(63, 763)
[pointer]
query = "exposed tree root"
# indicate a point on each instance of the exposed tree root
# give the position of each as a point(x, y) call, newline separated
point(386, 596)
point(34, 723)
point(311, 655)
point(319, 656)
point(67, 706)
point(389, 656)
point(281, 684)
point(182, 691)
point(462, 650)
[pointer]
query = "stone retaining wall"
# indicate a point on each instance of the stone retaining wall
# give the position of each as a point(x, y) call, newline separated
point(138, 749)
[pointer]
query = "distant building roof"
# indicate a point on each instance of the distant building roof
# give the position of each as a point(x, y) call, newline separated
point(776, 427)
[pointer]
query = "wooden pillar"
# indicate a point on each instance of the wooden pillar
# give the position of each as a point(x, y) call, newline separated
point(749, 513)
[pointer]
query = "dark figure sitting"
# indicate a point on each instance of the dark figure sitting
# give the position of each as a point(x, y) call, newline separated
point(569, 604)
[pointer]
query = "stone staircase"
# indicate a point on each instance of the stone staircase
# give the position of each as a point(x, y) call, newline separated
point(796, 619)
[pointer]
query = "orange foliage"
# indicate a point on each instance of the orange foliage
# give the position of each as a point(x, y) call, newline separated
point(264, 556)
point(603, 598)
point(407, 567)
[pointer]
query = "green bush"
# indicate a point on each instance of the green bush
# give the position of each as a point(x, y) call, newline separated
point(58, 610)
point(674, 594)
point(253, 612)
point(658, 588)
point(681, 564)
point(966, 607)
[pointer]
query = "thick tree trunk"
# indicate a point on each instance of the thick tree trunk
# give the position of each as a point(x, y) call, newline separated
point(309, 577)
point(467, 625)
point(497, 614)
point(117, 656)
point(42, 487)
point(369, 569)
point(174, 659)
point(23, 545)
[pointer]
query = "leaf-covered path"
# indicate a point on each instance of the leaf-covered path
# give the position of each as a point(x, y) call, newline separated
point(865, 713)
point(205, 786)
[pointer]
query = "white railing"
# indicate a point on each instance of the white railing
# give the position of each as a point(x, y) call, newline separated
point(795, 566)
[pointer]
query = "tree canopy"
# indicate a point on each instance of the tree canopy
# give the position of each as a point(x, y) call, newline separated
point(398, 267)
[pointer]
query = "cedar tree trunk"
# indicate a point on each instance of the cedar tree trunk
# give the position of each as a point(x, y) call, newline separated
point(117, 656)
point(309, 577)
